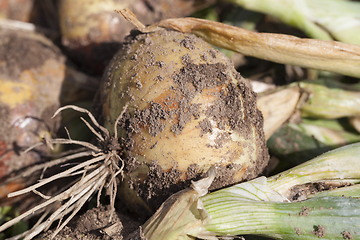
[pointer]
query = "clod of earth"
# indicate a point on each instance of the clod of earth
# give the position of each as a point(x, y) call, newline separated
point(319, 231)
point(188, 110)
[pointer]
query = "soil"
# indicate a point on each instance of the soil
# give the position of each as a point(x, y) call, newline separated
point(298, 231)
point(304, 211)
point(300, 192)
point(347, 235)
point(319, 231)
point(94, 224)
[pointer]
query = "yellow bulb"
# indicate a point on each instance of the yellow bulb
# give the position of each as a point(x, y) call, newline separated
point(188, 110)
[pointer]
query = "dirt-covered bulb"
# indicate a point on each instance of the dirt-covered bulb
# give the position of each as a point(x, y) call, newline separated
point(188, 110)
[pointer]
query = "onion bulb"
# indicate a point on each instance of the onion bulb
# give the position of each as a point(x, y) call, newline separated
point(188, 110)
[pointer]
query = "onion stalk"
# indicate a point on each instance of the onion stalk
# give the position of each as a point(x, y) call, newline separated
point(326, 217)
point(321, 19)
point(262, 206)
point(329, 99)
point(294, 144)
point(341, 163)
point(310, 53)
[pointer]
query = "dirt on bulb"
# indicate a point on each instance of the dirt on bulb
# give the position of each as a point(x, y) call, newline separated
point(188, 110)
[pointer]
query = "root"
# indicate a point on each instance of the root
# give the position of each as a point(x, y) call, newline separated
point(46, 165)
point(99, 171)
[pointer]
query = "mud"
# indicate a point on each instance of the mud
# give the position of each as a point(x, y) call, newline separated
point(205, 126)
point(301, 192)
point(298, 231)
point(305, 211)
point(95, 224)
point(158, 181)
point(151, 118)
point(347, 235)
point(319, 231)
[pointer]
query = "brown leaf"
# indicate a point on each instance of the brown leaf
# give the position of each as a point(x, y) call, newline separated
point(310, 53)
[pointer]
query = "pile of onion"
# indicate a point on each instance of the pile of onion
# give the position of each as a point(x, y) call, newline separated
point(188, 110)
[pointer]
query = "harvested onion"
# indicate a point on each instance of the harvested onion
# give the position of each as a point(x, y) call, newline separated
point(188, 110)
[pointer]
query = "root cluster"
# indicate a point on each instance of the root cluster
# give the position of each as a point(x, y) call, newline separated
point(93, 175)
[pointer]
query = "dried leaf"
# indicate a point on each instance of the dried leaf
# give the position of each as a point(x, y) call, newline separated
point(277, 107)
point(310, 53)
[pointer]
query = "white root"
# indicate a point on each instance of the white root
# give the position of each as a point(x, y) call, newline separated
point(57, 176)
point(46, 165)
point(40, 194)
point(79, 109)
point(92, 129)
point(80, 204)
point(99, 171)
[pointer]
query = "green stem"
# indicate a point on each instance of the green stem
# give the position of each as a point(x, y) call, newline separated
point(289, 12)
point(233, 215)
point(341, 163)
